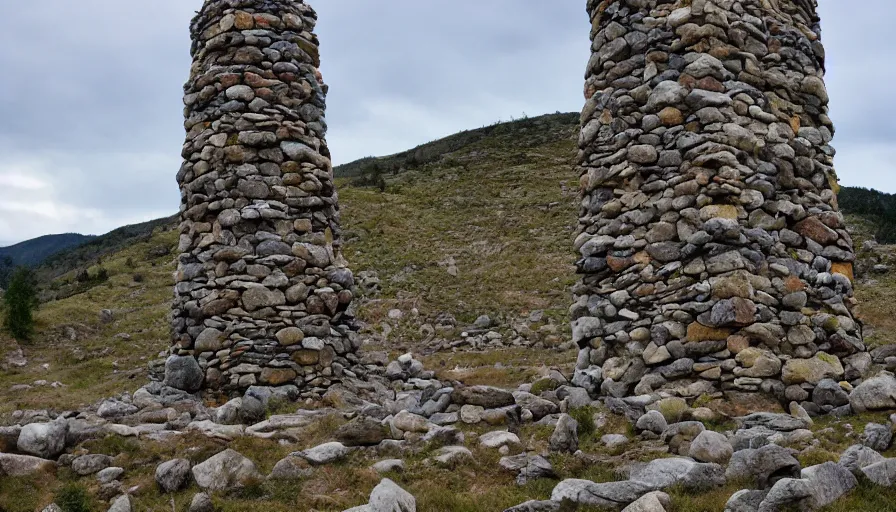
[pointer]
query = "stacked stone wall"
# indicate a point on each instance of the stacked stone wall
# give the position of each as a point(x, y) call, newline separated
point(262, 291)
point(713, 254)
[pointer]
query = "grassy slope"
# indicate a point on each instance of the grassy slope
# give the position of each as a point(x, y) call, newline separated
point(504, 209)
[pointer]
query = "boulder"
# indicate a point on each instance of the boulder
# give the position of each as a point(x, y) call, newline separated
point(774, 421)
point(109, 475)
point(858, 456)
point(787, 492)
point(183, 373)
point(765, 465)
point(362, 431)
point(882, 473)
point(487, 397)
point(389, 497)
point(202, 503)
point(451, 456)
point(613, 495)
point(291, 468)
point(44, 440)
point(652, 421)
point(813, 370)
point(389, 466)
point(745, 501)
point(326, 453)
point(91, 464)
point(527, 467)
point(498, 439)
point(651, 502)
point(224, 471)
point(173, 475)
point(829, 482)
point(878, 437)
point(409, 422)
point(24, 465)
point(121, 504)
point(711, 446)
point(565, 437)
point(679, 471)
point(875, 394)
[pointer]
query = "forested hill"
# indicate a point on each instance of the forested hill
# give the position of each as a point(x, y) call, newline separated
point(877, 207)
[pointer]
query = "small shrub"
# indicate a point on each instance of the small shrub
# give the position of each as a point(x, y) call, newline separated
point(585, 417)
point(20, 302)
point(542, 385)
point(73, 498)
point(138, 278)
point(130, 262)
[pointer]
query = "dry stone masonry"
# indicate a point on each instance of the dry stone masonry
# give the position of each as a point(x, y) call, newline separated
point(262, 290)
point(713, 254)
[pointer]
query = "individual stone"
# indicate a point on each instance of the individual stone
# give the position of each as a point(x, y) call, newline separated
point(711, 446)
point(652, 421)
point(878, 437)
point(651, 502)
point(812, 371)
point(536, 506)
point(91, 464)
point(109, 475)
point(201, 502)
point(858, 456)
point(44, 440)
point(389, 466)
point(326, 453)
point(173, 475)
point(565, 437)
point(499, 439)
point(528, 467)
point(184, 373)
point(451, 456)
point(291, 468)
point(875, 394)
point(611, 495)
point(121, 504)
point(362, 431)
point(679, 471)
point(389, 497)
point(830, 482)
point(487, 397)
point(13, 465)
point(881, 473)
point(765, 465)
point(224, 471)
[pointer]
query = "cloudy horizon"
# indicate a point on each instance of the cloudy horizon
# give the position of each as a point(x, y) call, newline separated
point(92, 112)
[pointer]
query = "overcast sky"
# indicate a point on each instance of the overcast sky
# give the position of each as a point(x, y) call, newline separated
point(91, 113)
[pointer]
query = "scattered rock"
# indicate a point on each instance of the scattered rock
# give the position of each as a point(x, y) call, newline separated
point(173, 475)
point(609, 495)
point(651, 502)
point(44, 440)
point(711, 446)
point(326, 453)
point(565, 437)
point(224, 471)
point(24, 465)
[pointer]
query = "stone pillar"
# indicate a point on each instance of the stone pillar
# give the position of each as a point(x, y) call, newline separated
point(262, 290)
point(713, 254)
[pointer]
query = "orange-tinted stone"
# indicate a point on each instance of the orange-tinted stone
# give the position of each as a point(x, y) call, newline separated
point(846, 269)
point(700, 332)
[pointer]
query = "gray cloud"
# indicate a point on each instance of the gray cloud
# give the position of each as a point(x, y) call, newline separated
point(91, 109)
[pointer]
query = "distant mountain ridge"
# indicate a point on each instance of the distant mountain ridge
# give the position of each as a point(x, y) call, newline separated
point(33, 252)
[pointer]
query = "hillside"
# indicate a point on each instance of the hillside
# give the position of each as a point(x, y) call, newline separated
point(484, 228)
point(33, 252)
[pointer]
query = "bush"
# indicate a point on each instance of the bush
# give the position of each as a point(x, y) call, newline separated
point(20, 302)
point(73, 498)
point(585, 417)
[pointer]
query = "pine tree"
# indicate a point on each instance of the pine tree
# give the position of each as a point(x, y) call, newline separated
point(20, 301)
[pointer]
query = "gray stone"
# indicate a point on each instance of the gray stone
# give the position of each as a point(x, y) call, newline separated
point(109, 475)
point(91, 464)
point(224, 471)
point(487, 397)
point(184, 373)
point(652, 421)
point(44, 440)
point(202, 503)
point(711, 446)
point(882, 473)
point(830, 482)
point(786, 492)
point(745, 501)
point(326, 453)
point(773, 421)
point(499, 438)
point(121, 504)
point(874, 394)
point(651, 502)
point(389, 497)
point(565, 437)
point(24, 465)
point(389, 466)
point(878, 437)
point(765, 465)
point(362, 431)
point(610, 495)
point(451, 456)
point(173, 475)
point(679, 471)
point(536, 506)
point(858, 456)
point(291, 468)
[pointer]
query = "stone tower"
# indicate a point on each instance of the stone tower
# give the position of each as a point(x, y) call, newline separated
point(713, 254)
point(262, 290)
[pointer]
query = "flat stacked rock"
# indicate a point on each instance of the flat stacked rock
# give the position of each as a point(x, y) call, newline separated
point(713, 254)
point(262, 290)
